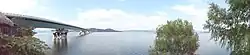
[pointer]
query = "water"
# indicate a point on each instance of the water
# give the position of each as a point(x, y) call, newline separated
point(209, 47)
point(122, 43)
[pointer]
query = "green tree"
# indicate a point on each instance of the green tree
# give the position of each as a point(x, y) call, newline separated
point(175, 38)
point(230, 27)
point(22, 44)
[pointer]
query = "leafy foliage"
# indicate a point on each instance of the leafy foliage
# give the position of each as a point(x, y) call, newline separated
point(175, 38)
point(230, 27)
point(22, 44)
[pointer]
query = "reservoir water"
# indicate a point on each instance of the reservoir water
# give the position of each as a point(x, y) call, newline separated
point(122, 43)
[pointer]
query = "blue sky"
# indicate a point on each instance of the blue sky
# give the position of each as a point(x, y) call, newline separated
point(117, 14)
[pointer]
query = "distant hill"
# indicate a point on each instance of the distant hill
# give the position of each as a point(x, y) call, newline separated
point(138, 31)
point(103, 30)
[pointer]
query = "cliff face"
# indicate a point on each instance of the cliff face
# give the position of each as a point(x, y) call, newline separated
point(103, 30)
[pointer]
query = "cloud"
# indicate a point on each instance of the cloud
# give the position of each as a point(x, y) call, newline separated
point(29, 7)
point(122, 0)
point(190, 10)
point(110, 18)
point(196, 11)
point(17, 6)
point(118, 19)
point(46, 13)
point(194, 14)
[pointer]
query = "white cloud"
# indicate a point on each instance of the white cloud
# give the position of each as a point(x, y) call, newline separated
point(118, 19)
point(196, 15)
point(28, 7)
point(17, 6)
point(190, 10)
point(122, 0)
point(108, 18)
point(196, 11)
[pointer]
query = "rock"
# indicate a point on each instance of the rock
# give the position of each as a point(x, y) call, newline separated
point(4, 20)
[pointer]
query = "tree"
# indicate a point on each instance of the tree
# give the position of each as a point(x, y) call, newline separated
point(230, 27)
point(175, 38)
point(22, 44)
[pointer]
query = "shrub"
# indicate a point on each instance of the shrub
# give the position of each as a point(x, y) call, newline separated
point(175, 38)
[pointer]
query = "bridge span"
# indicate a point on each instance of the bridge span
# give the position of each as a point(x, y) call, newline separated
point(37, 22)
point(61, 29)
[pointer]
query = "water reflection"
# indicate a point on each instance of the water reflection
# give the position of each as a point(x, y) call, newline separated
point(123, 43)
point(60, 46)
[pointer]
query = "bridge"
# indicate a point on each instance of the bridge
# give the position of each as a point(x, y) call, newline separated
point(36, 22)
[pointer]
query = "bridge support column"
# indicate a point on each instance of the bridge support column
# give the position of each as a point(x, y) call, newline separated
point(60, 34)
point(60, 41)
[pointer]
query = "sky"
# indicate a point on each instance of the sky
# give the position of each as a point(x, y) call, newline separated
point(116, 14)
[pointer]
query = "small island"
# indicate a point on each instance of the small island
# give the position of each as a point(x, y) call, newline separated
point(103, 30)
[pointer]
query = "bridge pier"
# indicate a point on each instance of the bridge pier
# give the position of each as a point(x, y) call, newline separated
point(60, 41)
point(60, 34)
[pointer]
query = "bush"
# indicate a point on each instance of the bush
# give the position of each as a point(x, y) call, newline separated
point(175, 38)
point(22, 44)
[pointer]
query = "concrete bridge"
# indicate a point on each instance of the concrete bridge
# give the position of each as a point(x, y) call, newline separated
point(61, 29)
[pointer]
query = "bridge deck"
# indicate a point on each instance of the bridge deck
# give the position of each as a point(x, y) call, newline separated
point(37, 22)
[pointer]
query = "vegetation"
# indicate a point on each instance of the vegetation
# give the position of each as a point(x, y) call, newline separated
point(22, 44)
point(230, 27)
point(175, 38)
point(103, 30)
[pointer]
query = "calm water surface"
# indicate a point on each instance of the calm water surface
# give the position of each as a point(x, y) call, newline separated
point(122, 43)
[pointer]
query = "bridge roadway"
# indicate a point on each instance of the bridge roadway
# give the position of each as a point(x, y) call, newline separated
point(37, 22)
